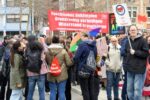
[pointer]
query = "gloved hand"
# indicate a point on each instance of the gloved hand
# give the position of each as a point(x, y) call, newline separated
point(102, 63)
point(132, 51)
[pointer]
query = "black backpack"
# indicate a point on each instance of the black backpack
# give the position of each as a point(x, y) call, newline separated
point(34, 61)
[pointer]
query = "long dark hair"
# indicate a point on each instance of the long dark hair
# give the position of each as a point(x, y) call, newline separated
point(14, 50)
point(34, 46)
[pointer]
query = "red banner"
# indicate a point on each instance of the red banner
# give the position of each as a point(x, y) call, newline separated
point(77, 21)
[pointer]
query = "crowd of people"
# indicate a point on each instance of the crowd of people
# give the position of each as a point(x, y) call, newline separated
point(27, 61)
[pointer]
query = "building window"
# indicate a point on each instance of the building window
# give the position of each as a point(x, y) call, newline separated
point(16, 18)
point(148, 11)
point(133, 13)
point(24, 18)
point(12, 3)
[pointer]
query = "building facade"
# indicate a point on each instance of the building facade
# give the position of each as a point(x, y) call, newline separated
point(14, 16)
point(135, 8)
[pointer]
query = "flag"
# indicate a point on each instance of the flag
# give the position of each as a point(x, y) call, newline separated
point(94, 32)
point(74, 47)
point(75, 41)
point(142, 18)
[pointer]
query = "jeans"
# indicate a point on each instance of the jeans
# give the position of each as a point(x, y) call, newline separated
point(40, 80)
point(16, 94)
point(60, 87)
point(112, 81)
point(90, 87)
point(124, 89)
point(135, 83)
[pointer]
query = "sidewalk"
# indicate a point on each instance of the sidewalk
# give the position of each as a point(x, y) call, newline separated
point(102, 94)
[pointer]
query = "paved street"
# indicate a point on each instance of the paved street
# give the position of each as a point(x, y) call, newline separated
point(102, 94)
point(75, 96)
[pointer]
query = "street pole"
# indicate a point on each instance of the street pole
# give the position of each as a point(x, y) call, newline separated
point(29, 17)
point(33, 31)
point(4, 22)
point(142, 12)
point(107, 5)
point(20, 28)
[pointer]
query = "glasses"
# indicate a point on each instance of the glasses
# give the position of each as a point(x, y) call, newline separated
point(113, 41)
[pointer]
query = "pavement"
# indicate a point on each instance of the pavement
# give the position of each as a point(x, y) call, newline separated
point(102, 94)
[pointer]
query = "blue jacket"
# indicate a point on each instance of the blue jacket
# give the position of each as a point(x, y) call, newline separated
point(123, 53)
point(83, 51)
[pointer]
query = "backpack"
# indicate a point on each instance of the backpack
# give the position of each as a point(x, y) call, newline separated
point(147, 79)
point(91, 61)
point(88, 66)
point(34, 61)
point(55, 67)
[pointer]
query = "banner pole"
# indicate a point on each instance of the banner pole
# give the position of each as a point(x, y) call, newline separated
point(126, 30)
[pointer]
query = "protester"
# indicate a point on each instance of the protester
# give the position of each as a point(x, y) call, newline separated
point(113, 68)
point(25, 42)
point(146, 88)
point(5, 51)
point(57, 84)
point(17, 71)
point(36, 77)
point(135, 63)
point(123, 42)
point(89, 84)
point(42, 40)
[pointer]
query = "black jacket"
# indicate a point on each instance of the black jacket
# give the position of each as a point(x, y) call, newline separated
point(136, 63)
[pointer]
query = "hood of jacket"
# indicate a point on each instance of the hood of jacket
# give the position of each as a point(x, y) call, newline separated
point(139, 35)
point(55, 48)
point(89, 43)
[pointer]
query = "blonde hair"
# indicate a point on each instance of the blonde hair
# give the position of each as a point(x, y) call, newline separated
point(113, 38)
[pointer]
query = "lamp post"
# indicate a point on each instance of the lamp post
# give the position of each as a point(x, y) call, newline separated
point(107, 5)
point(4, 22)
point(20, 27)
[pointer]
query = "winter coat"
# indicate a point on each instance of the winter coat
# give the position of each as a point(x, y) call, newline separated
point(64, 61)
point(83, 52)
point(123, 43)
point(17, 72)
point(1, 51)
point(114, 61)
point(136, 63)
